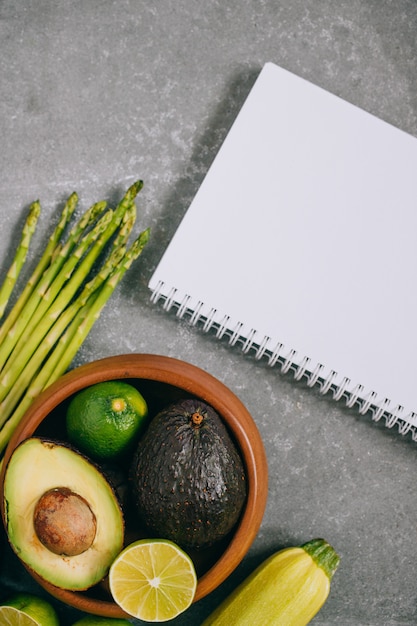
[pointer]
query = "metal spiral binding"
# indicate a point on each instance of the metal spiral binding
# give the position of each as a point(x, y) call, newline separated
point(354, 397)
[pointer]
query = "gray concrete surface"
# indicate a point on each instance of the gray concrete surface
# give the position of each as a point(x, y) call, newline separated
point(98, 93)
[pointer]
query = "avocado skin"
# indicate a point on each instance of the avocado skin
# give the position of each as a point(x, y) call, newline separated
point(188, 481)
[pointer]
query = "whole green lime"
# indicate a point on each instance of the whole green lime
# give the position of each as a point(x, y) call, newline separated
point(27, 610)
point(105, 419)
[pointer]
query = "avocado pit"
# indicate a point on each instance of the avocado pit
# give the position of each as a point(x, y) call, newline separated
point(64, 522)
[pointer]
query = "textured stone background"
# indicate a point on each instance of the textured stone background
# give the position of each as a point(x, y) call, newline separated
point(96, 94)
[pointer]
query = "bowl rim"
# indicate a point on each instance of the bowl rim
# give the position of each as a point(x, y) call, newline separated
point(195, 381)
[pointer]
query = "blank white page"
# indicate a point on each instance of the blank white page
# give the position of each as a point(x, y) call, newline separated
point(304, 229)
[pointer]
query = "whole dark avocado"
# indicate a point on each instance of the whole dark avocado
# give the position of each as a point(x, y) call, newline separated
point(187, 478)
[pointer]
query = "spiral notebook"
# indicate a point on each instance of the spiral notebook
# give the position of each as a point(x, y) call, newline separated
point(300, 247)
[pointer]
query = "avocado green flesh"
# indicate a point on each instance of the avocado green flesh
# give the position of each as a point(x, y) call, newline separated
point(37, 466)
point(188, 479)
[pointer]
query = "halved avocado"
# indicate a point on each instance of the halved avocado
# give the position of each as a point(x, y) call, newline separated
point(62, 516)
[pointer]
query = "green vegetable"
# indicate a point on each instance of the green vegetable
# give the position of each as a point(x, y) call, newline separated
point(51, 248)
point(288, 589)
point(20, 256)
point(62, 299)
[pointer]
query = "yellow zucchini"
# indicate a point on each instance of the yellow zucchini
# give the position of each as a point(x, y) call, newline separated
point(288, 589)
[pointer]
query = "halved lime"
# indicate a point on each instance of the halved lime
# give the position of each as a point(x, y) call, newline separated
point(27, 610)
point(153, 580)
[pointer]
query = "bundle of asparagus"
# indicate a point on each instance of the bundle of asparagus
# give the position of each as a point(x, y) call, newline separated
point(64, 296)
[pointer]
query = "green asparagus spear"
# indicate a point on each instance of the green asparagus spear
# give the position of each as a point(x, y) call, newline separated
point(62, 300)
point(24, 328)
point(60, 294)
point(21, 375)
point(20, 256)
point(96, 305)
point(44, 262)
point(71, 340)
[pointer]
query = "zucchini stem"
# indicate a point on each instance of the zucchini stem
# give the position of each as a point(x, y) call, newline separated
point(323, 555)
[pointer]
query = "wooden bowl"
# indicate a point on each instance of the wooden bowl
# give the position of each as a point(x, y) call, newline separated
point(161, 380)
